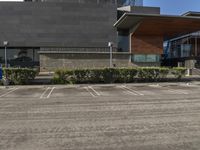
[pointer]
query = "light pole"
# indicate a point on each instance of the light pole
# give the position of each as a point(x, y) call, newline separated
point(5, 43)
point(110, 45)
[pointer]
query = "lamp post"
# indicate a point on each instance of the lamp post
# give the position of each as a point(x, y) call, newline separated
point(5, 81)
point(5, 43)
point(110, 45)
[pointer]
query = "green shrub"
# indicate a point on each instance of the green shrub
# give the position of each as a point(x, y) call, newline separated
point(115, 75)
point(178, 72)
point(152, 73)
point(96, 76)
point(19, 75)
point(126, 75)
point(164, 72)
point(63, 76)
point(109, 75)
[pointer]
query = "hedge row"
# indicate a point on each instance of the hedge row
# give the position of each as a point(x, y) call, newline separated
point(19, 76)
point(115, 75)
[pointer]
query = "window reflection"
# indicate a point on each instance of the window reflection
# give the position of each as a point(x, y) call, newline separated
point(20, 57)
point(146, 58)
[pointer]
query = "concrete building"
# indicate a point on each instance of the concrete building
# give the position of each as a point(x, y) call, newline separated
point(147, 33)
point(55, 34)
point(66, 33)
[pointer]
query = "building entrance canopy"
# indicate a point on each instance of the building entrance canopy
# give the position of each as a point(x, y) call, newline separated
point(167, 26)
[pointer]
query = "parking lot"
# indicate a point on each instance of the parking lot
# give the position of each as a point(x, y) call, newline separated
point(100, 117)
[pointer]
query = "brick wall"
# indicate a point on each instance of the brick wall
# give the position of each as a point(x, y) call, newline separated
point(146, 44)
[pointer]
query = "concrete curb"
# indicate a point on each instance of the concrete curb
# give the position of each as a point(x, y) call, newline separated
point(108, 85)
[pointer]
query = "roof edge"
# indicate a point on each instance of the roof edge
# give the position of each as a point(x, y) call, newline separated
point(152, 15)
point(189, 13)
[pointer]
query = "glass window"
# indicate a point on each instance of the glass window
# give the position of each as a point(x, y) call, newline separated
point(185, 50)
point(139, 58)
point(152, 58)
point(123, 43)
point(146, 58)
point(20, 57)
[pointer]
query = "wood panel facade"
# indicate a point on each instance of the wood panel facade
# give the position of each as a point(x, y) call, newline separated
point(146, 44)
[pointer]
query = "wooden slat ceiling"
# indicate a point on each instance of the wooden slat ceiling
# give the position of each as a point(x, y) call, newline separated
point(166, 26)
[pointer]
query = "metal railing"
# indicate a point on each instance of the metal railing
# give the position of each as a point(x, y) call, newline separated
point(78, 49)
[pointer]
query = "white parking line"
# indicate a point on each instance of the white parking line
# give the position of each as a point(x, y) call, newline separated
point(128, 91)
point(42, 96)
point(50, 92)
point(154, 85)
point(133, 90)
point(97, 93)
point(87, 89)
point(5, 94)
point(47, 94)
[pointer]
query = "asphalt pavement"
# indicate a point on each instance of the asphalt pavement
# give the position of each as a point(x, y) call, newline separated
point(100, 117)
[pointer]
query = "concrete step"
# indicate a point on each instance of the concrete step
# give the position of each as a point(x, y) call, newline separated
point(43, 78)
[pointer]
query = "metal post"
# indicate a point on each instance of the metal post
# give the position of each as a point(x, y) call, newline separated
point(6, 57)
point(5, 81)
point(111, 57)
point(110, 44)
point(5, 43)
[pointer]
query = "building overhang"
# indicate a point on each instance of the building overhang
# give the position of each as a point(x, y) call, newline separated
point(167, 26)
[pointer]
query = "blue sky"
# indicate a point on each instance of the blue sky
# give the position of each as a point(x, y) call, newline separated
point(174, 7)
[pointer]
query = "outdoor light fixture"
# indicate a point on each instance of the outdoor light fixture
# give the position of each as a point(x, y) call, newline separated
point(5, 43)
point(110, 44)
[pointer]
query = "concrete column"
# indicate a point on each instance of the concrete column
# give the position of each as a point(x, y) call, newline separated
point(130, 45)
point(130, 42)
point(196, 46)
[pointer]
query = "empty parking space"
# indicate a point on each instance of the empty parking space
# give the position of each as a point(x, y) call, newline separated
point(109, 90)
point(131, 90)
point(155, 89)
point(4, 90)
point(7, 91)
point(75, 91)
point(94, 91)
point(164, 90)
point(185, 88)
point(23, 92)
point(47, 92)
point(145, 90)
point(119, 90)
